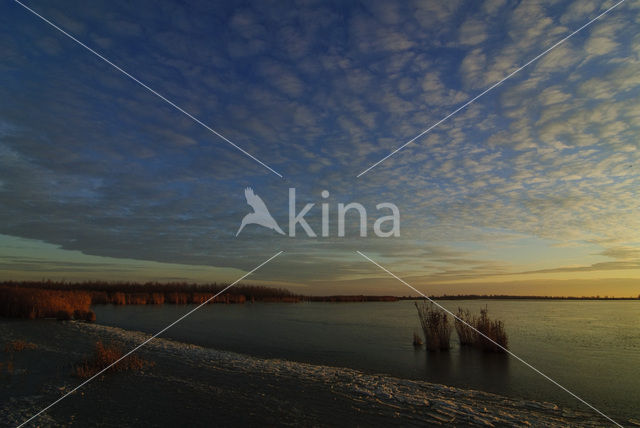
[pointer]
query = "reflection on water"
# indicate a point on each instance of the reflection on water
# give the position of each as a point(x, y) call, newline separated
point(582, 345)
point(464, 366)
point(490, 371)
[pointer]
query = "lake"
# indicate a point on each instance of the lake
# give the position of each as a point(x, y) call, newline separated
point(590, 347)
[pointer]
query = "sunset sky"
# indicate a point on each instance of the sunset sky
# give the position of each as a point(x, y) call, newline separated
point(532, 189)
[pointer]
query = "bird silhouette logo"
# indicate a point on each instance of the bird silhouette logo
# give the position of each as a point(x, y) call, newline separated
point(260, 214)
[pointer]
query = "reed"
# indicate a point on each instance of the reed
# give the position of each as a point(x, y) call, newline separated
point(99, 298)
point(137, 298)
point(494, 330)
point(105, 355)
point(435, 325)
point(466, 335)
point(6, 367)
point(156, 299)
point(177, 298)
point(417, 340)
point(118, 298)
point(19, 346)
point(18, 302)
point(104, 292)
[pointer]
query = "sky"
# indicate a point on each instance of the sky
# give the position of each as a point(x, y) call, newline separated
point(531, 189)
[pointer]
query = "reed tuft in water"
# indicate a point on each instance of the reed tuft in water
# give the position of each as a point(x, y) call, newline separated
point(484, 328)
point(466, 335)
point(435, 325)
point(417, 340)
point(492, 329)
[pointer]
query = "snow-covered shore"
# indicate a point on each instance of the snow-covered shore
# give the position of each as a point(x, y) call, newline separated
point(278, 391)
point(434, 403)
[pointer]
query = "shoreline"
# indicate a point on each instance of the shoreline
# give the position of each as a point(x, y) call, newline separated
point(382, 397)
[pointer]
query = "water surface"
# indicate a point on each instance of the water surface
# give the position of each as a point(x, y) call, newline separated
point(590, 347)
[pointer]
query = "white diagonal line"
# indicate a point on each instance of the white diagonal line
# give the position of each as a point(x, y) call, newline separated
point(151, 338)
point(489, 89)
point(154, 92)
point(486, 337)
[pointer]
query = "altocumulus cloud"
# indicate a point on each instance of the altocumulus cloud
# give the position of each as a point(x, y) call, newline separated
point(92, 162)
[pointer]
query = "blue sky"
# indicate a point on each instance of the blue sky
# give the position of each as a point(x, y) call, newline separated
point(535, 182)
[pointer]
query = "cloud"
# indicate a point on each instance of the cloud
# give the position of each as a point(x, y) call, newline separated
point(282, 79)
point(604, 266)
point(369, 36)
point(622, 253)
point(473, 32)
point(91, 162)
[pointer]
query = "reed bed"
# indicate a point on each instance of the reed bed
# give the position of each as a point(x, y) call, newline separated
point(107, 292)
point(19, 302)
point(435, 325)
point(67, 301)
point(156, 299)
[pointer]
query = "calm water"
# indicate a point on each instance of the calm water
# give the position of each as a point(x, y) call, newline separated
point(591, 348)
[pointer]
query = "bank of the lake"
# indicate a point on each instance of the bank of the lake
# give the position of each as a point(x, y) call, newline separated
point(193, 385)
